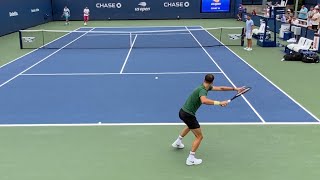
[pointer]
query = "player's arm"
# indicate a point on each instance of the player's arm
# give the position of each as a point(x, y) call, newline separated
point(205, 100)
point(226, 88)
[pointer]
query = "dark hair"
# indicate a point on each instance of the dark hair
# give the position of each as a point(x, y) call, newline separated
point(209, 78)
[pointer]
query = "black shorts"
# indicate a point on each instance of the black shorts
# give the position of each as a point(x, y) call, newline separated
point(189, 119)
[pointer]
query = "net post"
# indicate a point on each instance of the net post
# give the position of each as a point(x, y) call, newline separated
point(42, 32)
point(220, 38)
point(20, 40)
point(242, 37)
point(130, 39)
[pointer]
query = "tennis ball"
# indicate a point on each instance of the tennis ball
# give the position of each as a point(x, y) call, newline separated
point(156, 77)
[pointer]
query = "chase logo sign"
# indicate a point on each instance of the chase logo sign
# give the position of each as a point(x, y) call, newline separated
point(12, 14)
point(142, 7)
point(176, 4)
point(109, 5)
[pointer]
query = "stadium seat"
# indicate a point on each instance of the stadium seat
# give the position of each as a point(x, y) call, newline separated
point(301, 42)
point(306, 46)
point(258, 33)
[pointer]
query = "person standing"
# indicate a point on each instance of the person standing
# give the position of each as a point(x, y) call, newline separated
point(248, 33)
point(66, 14)
point(86, 14)
point(315, 19)
point(189, 109)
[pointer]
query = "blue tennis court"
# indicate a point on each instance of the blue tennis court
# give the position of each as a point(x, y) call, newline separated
point(72, 83)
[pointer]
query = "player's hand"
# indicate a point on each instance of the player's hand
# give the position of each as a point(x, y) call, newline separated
point(224, 103)
point(239, 89)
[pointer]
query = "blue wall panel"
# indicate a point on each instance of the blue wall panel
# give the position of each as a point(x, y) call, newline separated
point(21, 14)
point(137, 9)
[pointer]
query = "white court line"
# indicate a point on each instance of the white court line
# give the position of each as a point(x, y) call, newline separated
point(101, 74)
point(37, 48)
point(265, 78)
point(42, 60)
point(128, 27)
point(160, 124)
point(140, 34)
point(254, 110)
point(125, 62)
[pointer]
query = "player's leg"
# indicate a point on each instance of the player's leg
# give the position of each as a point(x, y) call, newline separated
point(178, 142)
point(193, 125)
point(184, 117)
point(196, 143)
point(184, 131)
point(84, 20)
point(247, 47)
point(195, 128)
point(67, 21)
point(250, 44)
point(249, 40)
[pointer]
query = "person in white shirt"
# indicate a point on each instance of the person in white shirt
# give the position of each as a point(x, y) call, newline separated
point(248, 31)
point(315, 19)
point(310, 14)
point(86, 13)
point(66, 14)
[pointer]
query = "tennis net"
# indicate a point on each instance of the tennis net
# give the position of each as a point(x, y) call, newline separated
point(176, 38)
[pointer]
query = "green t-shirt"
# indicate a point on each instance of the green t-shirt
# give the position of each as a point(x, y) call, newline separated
point(193, 102)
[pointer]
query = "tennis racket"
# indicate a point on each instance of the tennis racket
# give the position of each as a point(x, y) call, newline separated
point(246, 89)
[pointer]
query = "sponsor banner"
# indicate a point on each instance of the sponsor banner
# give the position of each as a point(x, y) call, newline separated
point(110, 5)
point(212, 6)
point(142, 7)
point(179, 4)
point(138, 9)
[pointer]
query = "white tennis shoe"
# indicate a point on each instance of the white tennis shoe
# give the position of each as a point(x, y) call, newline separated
point(193, 161)
point(178, 146)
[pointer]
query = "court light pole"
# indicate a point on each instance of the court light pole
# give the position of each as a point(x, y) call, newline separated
point(296, 8)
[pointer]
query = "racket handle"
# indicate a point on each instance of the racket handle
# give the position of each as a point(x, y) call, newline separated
point(229, 100)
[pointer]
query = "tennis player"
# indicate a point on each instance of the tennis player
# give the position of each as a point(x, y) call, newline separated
point(248, 30)
point(188, 111)
point(66, 14)
point(86, 13)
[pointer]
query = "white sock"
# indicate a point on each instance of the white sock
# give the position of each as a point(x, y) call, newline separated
point(191, 155)
point(179, 140)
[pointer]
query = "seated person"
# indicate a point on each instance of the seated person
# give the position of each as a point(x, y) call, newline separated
point(254, 13)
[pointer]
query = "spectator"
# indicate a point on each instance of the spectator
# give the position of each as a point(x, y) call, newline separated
point(66, 14)
point(289, 16)
point(267, 11)
point(303, 13)
point(310, 14)
point(315, 19)
point(240, 12)
point(254, 13)
point(294, 21)
point(283, 18)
